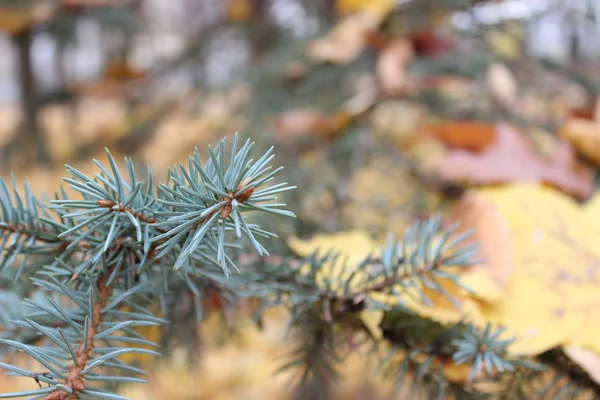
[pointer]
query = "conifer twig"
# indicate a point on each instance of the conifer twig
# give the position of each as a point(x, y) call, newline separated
point(75, 378)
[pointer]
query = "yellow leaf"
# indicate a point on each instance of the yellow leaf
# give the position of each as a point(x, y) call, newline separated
point(506, 41)
point(352, 245)
point(382, 7)
point(372, 319)
point(552, 297)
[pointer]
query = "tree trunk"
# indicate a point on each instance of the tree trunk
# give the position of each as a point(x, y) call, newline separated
point(30, 129)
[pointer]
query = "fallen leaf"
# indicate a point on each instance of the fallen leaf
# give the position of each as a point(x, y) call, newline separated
point(502, 84)
point(296, 125)
point(392, 65)
point(346, 41)
point(426, 42)
point(584, 135)
point(354, 246)
point(506, 40)
point(587, 359)
point(512, 159)
point(121, 70)
point(468, 135)
point(590, 111)
point(382, 7)
point(492, 234)
point(552, 297)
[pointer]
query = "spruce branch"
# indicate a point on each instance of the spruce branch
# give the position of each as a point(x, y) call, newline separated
point(98, 261)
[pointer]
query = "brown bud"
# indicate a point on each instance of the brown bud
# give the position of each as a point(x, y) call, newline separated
point(105, 203)
point(244, 195)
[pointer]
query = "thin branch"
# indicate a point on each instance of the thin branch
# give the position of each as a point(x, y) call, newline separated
point(75, 379)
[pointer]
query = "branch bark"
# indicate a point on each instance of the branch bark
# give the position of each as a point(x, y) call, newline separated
point(75, 379)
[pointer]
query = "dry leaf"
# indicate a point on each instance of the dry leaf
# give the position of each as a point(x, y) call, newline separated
point(511, 159)
point(355, 6)
point(121, 70)
point(502, 84)
point(584, 134)
point(354, 246)
point(392, 65)
point(492, 234)
point(590, 110)
point(426, 42)
point(552, 298)
point(505, 41)
point(468, 135)
point(293, 126)
point(587, 359)
point(346, 40)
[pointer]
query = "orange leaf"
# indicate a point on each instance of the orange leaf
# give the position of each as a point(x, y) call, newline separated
point(469, 135)
point(584, 135)
point(121, 70)
point(493, 235)
point(590, 111)
point(512, 158)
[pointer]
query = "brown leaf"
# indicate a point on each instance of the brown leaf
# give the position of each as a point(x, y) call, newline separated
point(392, 66)
point(468, 135)
point(584, 135)
point(121, 70)
point(293, 126)
point(587, 359)
point(589, 111)
point(492, 233)
point(426, 42)
point(511, 158)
